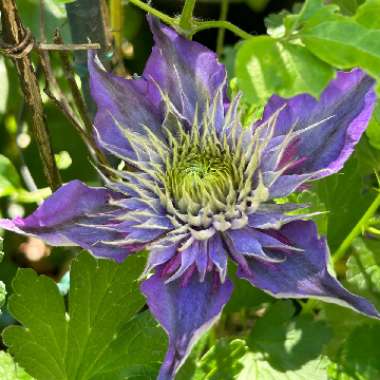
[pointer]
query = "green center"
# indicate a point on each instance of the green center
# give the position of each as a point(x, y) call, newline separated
point(200, 180)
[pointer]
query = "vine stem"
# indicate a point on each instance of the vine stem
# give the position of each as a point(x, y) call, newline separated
point(202, 25)
point(222, 31)
point(147, 8)
point(357, 230)
point(186, 19)
point(196, 25)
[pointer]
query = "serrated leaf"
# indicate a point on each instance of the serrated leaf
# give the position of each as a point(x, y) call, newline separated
point(9, 370)
point(368, 14)
point(53, 345)
point(265, 66)
point(344, 44)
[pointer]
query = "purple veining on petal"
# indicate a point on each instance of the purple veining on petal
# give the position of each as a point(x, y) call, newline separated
point(75, 215)
point(304, 274)
point(186, 70)
point(185, 312)
point(343, 109)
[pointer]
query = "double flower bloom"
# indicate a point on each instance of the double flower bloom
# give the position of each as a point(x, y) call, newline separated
point(202, 188)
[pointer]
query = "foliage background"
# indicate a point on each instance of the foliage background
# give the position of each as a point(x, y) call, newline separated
point(109, 334)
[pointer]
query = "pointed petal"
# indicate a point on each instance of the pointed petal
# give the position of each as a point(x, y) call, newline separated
point(121, 104)
point(186, 70)
point(304, 274)
point(245, 242)
point(74, 215)
point(185, 312)
point(343, 112)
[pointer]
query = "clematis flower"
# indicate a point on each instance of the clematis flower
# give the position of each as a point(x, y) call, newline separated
point(202, 188)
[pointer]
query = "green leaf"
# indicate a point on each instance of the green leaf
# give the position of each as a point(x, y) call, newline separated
point(348, 7)
point(288, 343)
point(53, 345)
point(9, 370)
point(373, 129)
point(368, 14)
point(222, 360)
point(137, 351)
point(344, 44)
point(9, 178)
point(282, 347)
point(312, 12)
point(265, 66)
point(359, 357)
point(340, 193)
point(363, 269)
point(245, 296)
point(255, 366)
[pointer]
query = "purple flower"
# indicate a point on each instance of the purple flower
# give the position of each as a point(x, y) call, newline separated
point(202, 190)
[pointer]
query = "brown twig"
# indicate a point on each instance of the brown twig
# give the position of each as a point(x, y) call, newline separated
point(54, 92)
point(15, 44)
point(68, 47)
point(70, 77)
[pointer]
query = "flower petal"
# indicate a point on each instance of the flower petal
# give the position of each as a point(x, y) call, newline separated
point(246, 242)
point(339, 117)
point(122, 104)
point(75, 215)
point(185, 311)
point(186, 70)
point(304, 274)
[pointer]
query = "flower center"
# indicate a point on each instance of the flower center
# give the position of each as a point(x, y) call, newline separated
point(200, 181)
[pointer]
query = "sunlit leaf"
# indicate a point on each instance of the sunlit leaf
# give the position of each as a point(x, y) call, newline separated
point(103, 296)
point(265, 66)
point(9, 370)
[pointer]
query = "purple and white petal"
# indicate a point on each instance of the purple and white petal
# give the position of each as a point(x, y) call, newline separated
point(185, 311)
point(187, 71)
point(303, 274)
point(75, 215)
point(326, 129)
point(123, 105)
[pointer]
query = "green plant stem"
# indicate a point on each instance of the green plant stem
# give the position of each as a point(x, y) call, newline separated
point(147, 8)
point(222, 31)
point(357, 230)
point(186, 19)
point(202, 25)
point(196, 26)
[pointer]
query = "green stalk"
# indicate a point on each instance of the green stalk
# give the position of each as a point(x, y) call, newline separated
point(147, 8)
point(202, 25)
point(186, 19)
point(357, 230)
point(222, 31)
